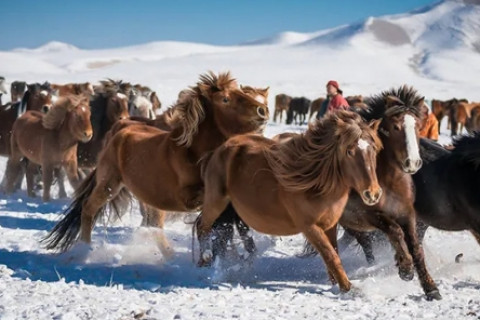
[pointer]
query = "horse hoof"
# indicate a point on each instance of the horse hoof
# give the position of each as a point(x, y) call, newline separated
point(206, 259)
point(346, 287)
point(434, 295)
point(406, 275)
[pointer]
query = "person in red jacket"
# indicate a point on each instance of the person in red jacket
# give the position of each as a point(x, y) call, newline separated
point(336, 100)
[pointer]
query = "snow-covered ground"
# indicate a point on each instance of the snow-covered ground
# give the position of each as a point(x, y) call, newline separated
point(124, 276)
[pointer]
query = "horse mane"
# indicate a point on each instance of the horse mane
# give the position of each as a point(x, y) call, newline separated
point(377, 106)
point(189, 112)
point(311, 161)
point(54, 118)
point(467, 149)
point(110, 87)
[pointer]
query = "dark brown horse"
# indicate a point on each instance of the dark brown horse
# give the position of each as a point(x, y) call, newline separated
point(282, 102)
point(17, 90)
point(395, 214)
point(304, 183)
point(162, 168)
point(107, 106)
point(315, 106)
point(49, 140)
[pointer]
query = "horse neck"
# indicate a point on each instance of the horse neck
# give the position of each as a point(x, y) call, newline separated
point(208, 136)
point(66, 139)
point(387, 166)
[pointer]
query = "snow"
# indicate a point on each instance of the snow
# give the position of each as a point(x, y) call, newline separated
point(123, 275)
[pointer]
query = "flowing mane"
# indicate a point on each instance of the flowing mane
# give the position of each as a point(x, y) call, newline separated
point(311, 161)
point(189, 111)
point(56, 115)
point(377, 106)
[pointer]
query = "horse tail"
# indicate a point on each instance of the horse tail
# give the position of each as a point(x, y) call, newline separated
point(66, 231)
point(22, 108)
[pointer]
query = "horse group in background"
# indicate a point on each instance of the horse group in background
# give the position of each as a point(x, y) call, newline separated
point(461, 114)
point(365, 168)
point(300, 110)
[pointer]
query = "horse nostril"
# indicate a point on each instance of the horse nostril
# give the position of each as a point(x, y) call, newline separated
point(367, 194)
point(261, 113)
point(45, 109)
point(419, 163)
point(407, 163)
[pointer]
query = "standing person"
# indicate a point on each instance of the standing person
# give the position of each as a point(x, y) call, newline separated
point(429, 127)
point(335, 101)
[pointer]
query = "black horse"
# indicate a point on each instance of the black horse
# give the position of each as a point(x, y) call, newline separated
point(446, 192)
point(298, 107)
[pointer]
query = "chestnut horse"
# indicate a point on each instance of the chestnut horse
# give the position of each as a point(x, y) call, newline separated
point(316, 106)
point(400, 111)
point(460, 115)
point(282, 102)
point(108, 105)
point(85, 88)
point(38, 97)
point(209, 113)
point(49, 140)
point(304, 183)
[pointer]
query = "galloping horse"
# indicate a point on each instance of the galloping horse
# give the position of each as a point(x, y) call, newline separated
point(395, 215)
point(207, 115)
point(49, 140)
point(304, 183)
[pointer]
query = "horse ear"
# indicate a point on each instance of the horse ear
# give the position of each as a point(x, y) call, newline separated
point(375, 124)
point(205, 90)
point(391, 101)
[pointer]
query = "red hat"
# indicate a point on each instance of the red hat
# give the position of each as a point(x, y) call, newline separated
point(334, 84)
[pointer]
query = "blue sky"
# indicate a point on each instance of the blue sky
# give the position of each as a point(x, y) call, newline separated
point(104, 24)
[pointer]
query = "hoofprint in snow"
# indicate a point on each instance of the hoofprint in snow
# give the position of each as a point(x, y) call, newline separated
point(122, 275)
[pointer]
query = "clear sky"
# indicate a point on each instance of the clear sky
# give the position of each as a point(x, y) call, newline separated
point(103, 24)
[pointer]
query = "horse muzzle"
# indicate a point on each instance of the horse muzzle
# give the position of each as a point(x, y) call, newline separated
point(371, 198)
point(412, 166)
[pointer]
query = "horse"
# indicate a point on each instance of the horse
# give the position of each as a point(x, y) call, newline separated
point(298, 107)
point(395, 215)
point(139, 104)
point(445, 185)
point(108, 105)
point(49, 140)
point(151, 95)
point(316, 106)
point(17, 90)
point(442, 109)
point(473, 123)
point(304, 182)
point(85, 88)
point(209, 113)
point(38, 97)
point(282, 102)
point(460, 112)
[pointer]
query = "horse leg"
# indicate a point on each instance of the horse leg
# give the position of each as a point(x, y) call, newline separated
point(364, 239)
point(222, 232)
point(332, 237)
point(60, 176)
point(30, 177)
point(244, 231)
point(13, 170)
point(275, 114)
point(47, 178)
point(317, 237)
point(153, 217)
point(416, 249)
point(71, 169)
point(396, 236)
point(421, 230)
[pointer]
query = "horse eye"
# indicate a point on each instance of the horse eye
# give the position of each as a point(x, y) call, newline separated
point(350, 152)
point(226, 100)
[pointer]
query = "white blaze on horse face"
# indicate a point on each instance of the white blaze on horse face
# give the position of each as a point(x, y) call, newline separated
point(54, 98)
point(44, 93)
point(121, 95)
point(362, 144)
point(413, 152)
point(261, 99)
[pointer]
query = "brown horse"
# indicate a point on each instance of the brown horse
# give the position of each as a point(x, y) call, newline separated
point(17, 90)
point(442, 109)
point(395, 214)
point(460, 115)
point(209, 113)
point(38, 97)
point(108, 105)
point(282, 103)
point(316, 106)
point(304, 183)
point(473, 123)
point(85, 88)
point(49, 140)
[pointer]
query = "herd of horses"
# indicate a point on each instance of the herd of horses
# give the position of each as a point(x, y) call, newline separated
point(365, 168)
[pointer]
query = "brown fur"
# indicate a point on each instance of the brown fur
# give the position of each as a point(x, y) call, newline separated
point(161, 168)
point(74, 88)
point(282, 103)
point(49, 140)
point(316, 106)
point(291, 203)
point(462, 114)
